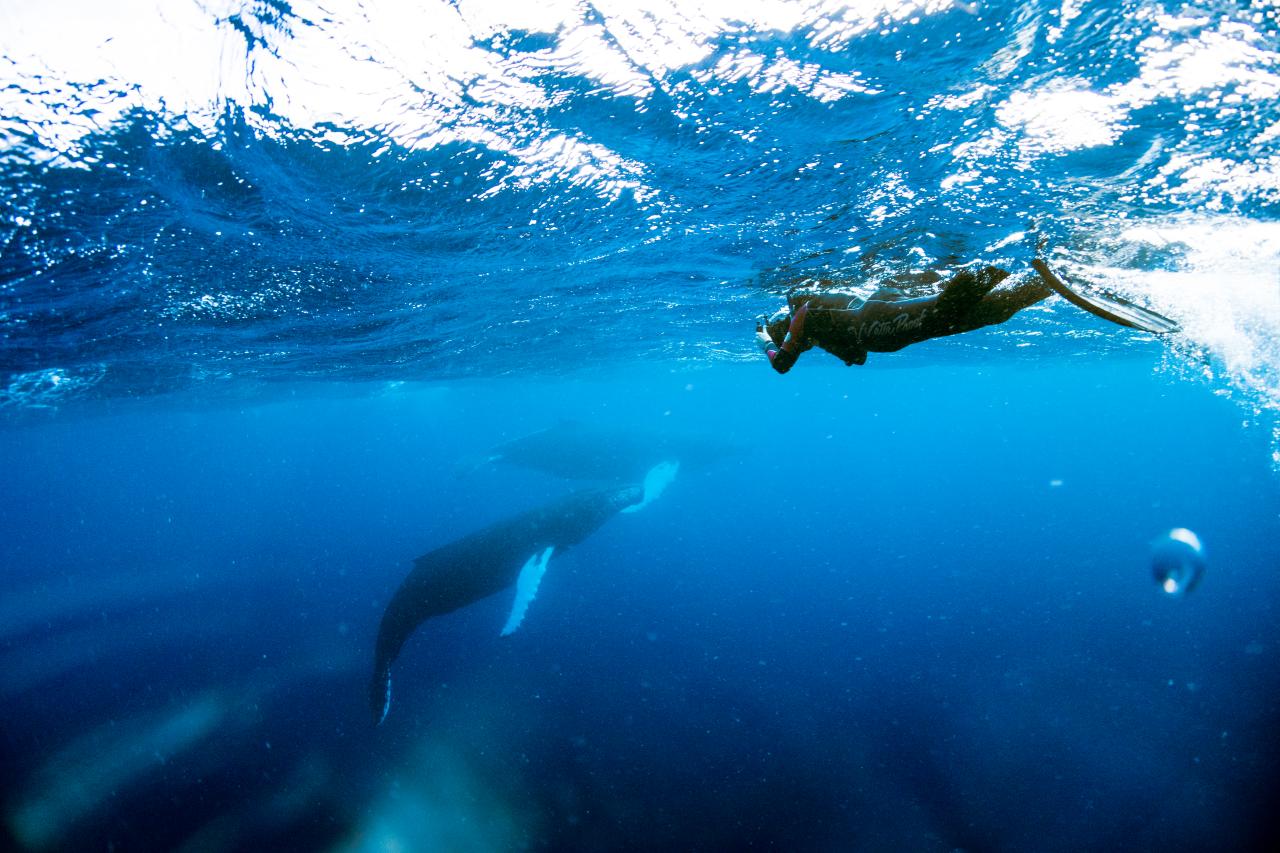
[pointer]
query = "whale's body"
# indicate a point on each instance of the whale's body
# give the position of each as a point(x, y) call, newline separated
point(484, 563)
point(575, 450)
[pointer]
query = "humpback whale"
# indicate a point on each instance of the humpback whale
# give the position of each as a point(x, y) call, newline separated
point(582, 451)
point(513, 551)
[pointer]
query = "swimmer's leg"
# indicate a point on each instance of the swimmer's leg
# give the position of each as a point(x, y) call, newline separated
point(967, 288)
point(999, 305)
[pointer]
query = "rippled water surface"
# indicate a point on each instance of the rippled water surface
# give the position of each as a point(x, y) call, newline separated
point(274, 275)
point(223, 193)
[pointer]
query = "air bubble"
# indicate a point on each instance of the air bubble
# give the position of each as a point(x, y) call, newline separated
point(1177, 561)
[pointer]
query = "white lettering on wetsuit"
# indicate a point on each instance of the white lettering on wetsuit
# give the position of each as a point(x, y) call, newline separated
point(879, 329)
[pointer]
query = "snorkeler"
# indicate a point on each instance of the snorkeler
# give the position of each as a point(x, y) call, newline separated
point(849, 327)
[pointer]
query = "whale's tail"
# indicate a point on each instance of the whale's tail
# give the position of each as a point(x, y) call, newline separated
point(655, 483)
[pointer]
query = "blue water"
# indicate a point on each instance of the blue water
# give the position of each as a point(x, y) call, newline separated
point(273, 276)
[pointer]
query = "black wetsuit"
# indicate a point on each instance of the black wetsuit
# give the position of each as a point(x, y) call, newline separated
point(849, 328)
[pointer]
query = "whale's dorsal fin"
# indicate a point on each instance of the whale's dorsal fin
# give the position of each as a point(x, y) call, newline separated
point(527, 588)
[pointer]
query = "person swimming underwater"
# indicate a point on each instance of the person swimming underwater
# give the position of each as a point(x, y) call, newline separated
point(849, 327)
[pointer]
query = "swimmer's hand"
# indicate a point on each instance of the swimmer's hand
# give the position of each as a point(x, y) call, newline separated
point(763, 340)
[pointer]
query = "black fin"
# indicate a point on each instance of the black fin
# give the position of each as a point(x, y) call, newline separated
point(1113, 308)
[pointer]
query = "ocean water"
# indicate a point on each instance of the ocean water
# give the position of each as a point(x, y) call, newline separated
point(276, 279)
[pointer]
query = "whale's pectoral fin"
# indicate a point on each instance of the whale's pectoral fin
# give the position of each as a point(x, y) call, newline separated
point(380, 694)
point(655, 483)
point(527, 588)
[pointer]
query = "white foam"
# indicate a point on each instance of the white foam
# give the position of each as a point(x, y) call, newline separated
point(1222, 284)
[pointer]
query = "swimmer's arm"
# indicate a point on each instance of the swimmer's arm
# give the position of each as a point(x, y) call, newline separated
point(781, 358)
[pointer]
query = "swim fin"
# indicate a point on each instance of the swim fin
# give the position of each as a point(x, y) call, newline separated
point(1112, 308)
